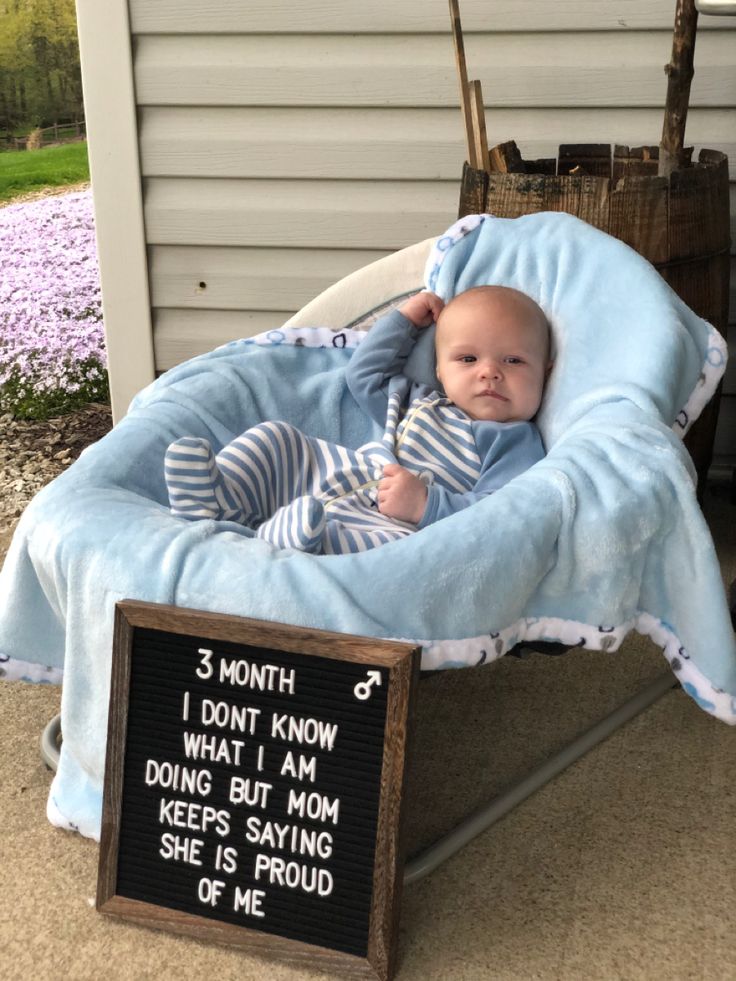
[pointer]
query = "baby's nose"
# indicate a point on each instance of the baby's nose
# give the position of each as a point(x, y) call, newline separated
point(491, 370)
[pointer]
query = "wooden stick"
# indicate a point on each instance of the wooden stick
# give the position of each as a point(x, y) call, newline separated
point(679, 76)
point(479, 126)
point(462, 74)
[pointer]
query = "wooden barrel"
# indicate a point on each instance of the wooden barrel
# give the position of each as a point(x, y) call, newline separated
point(679, 223)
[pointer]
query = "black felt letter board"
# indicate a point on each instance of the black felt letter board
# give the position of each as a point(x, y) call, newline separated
point(253, 785)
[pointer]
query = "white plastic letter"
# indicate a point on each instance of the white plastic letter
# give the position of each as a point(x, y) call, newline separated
point(205, 670)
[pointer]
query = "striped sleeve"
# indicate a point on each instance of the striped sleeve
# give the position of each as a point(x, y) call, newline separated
point(506, 450)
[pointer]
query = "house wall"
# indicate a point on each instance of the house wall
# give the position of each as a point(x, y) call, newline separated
point(282, 145)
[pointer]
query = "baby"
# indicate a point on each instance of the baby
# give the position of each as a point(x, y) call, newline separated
point(440, 451)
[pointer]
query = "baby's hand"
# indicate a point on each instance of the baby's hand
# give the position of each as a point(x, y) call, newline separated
point(422, 309)
point(401, 494)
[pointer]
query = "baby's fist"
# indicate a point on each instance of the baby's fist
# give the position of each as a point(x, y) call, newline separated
point(401, 495)
point(422, 309)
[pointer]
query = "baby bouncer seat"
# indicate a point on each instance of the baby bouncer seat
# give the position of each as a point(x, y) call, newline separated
point(602, 536)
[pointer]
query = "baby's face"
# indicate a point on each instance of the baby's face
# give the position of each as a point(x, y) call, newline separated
point(493, 354)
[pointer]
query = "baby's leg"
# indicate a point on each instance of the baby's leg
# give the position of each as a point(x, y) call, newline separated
point(274, 463)
point(268, 467)
point(195, 485)
point(250, 478)
point(355, 524)
point(296, 525)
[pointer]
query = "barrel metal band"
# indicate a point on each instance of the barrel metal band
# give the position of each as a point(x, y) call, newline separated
point(692, 258)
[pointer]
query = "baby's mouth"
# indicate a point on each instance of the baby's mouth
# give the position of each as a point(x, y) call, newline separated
point(491, 394)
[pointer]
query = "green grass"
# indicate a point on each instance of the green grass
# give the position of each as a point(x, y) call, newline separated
point(22, 171)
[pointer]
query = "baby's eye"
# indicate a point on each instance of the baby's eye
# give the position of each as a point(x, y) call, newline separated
point(467, 358)
point(512, 359)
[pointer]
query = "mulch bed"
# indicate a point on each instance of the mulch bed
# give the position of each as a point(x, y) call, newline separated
point(33, 453)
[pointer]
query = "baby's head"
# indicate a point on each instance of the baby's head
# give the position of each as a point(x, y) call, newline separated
point(493, 353)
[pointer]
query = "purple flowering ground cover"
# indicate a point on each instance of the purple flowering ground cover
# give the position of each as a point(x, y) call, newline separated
point(52, 346)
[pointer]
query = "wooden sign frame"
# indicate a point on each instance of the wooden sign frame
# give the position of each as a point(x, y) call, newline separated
point(402, 663)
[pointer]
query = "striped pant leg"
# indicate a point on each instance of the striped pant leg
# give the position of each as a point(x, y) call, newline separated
point(340, 478)
point(195, 485)
point(356, 525)
point(276, 479)
point(299, 524)
point(268, 467)
point(287, 477)
point(276, 470)
point(248, 480)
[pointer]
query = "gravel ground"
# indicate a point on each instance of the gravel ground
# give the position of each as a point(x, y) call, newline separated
point(33, 453)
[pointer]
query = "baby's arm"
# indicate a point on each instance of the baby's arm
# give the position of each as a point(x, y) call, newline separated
point(383, 353)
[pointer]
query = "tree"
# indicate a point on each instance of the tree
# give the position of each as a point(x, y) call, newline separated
point(15, 65)
point(40, 77)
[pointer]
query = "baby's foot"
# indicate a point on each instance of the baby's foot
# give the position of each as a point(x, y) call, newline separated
point(296, 525)
point(195, 485)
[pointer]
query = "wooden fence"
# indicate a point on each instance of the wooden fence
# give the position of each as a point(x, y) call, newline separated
point(48, 136)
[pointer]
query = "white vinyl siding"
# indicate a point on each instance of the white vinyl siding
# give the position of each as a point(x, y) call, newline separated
point(517, 70)
point(407, 17)
point(384, 144)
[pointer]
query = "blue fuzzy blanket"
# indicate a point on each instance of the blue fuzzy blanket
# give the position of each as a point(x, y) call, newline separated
point(602, 536)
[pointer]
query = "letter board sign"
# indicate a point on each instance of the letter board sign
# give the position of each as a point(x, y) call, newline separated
point(253, 785)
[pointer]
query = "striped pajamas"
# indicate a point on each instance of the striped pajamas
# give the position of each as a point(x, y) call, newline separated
point(301, 492)
point(286, 485)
